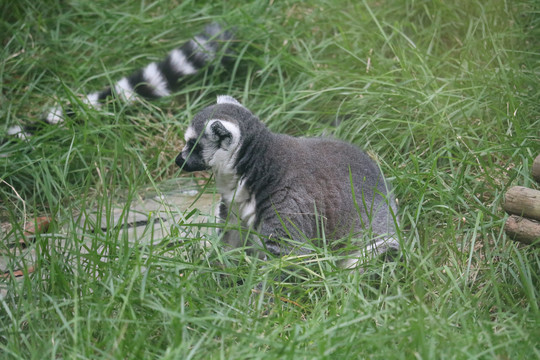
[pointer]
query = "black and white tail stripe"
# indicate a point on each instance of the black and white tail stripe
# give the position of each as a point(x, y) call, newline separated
point(155, 80)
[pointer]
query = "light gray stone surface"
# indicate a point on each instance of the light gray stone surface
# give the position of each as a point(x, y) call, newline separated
point(148, 219)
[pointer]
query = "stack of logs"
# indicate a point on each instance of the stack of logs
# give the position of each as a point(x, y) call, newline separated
point(523, 205)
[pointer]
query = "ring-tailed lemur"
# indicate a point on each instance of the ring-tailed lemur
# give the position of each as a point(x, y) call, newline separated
point(155, 80)
point(290, 188)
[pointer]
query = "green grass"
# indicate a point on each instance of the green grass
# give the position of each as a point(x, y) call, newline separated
point(444, 93)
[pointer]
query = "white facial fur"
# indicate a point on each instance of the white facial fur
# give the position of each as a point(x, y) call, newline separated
point(188, 135)
point(221, 160)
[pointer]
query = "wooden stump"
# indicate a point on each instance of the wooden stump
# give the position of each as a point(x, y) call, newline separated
point(536, 169)
point(524, 206)
point(522, 229)
point(523, 201)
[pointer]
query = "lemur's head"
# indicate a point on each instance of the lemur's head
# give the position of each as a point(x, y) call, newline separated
point(214, 136)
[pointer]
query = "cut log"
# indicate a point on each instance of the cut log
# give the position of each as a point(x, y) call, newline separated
point(523, 230)
point(522, 201)
point(16, 273)
point(536, 169)
point(38, 226)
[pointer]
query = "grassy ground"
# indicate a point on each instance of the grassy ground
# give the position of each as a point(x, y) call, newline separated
point(444, 93)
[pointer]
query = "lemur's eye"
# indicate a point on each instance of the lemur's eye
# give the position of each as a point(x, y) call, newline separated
point(193, 145)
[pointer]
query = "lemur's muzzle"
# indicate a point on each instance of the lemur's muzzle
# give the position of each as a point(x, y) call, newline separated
point(192, 163)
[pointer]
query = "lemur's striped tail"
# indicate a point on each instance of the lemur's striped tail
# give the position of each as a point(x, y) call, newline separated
point(157, 79)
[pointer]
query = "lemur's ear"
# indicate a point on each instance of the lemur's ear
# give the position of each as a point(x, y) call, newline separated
point(226, 99)
point(220, 132)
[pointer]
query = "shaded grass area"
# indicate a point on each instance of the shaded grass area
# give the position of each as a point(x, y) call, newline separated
point(443, 94)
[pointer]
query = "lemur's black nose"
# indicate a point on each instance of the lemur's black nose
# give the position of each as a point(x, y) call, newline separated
point(179, 160)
